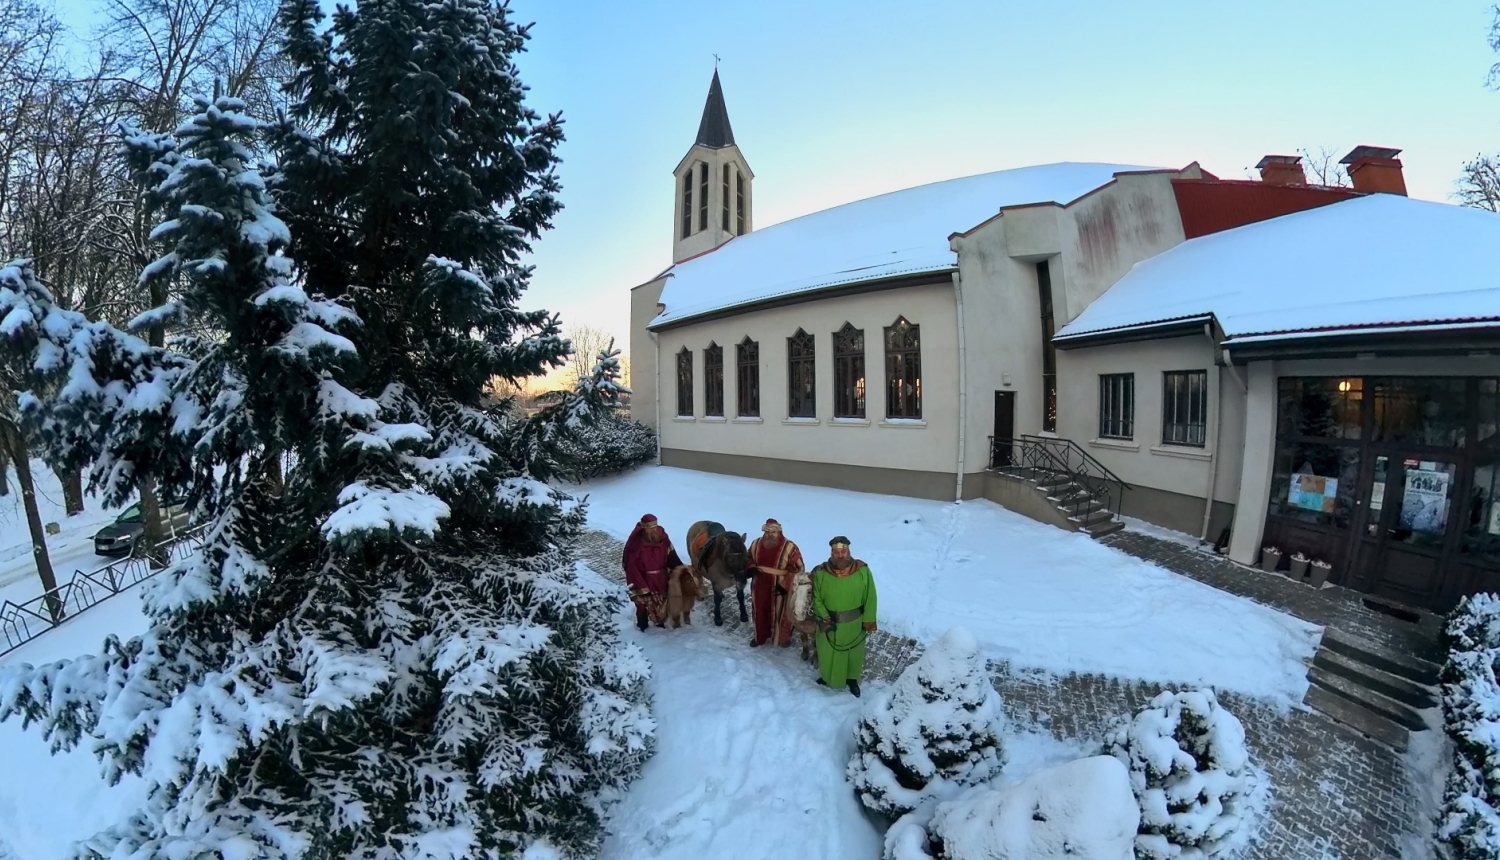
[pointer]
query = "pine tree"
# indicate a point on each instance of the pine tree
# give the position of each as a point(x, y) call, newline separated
point(383, 654)
point(936, 729)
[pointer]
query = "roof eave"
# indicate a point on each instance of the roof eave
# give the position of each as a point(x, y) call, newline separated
point(797, 297)
point(1434, 339)
point(1178, 327)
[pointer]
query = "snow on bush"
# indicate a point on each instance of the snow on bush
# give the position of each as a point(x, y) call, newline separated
point(1470, 822)
point(1191, 772)
point(613, 445)
point(1080, 810)
point(936, 728)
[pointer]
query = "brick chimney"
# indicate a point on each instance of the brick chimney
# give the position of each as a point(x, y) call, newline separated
point(1375, 170)
point(1281, 170)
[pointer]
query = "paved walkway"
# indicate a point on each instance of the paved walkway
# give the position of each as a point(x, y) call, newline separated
point(1336, 795)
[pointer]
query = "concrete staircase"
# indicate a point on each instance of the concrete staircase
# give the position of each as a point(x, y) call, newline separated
point(1085, 512)
point(1371, 689)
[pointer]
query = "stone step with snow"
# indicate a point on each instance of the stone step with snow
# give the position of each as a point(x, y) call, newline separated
point(1413, 669)
point(1396, 687)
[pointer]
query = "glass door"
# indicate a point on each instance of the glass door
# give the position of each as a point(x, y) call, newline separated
point(1411, 526)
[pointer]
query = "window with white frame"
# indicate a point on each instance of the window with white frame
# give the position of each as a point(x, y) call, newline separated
point(1117, 406)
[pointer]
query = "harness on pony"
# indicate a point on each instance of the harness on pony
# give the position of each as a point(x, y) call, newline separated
point(700, 546)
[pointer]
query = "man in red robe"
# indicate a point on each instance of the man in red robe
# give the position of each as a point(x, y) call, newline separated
point(648, 556)
point(775, 561)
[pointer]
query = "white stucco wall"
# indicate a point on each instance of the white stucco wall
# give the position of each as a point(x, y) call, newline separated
point(1145, 461)
point(643, 366)
point(929, 445)
point(705, 239)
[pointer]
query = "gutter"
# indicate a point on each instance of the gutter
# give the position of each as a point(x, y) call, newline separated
point(963, 389)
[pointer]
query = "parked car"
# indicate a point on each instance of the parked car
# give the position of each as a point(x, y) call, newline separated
point(119, 537)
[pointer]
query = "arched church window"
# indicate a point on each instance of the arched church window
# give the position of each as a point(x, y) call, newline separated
point(685, 383)
point(747, 379)
point(713, 380)
point(903, 370)
point(849, 372)
point(800, 376)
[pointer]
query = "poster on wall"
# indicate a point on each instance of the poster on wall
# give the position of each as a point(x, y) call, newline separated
point(1424, 504)
point(1313, 493)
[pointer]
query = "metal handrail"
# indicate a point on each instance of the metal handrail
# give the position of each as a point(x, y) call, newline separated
point(1041, 458)
point(22, 622)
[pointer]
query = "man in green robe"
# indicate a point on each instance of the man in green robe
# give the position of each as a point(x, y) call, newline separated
point(844, 607)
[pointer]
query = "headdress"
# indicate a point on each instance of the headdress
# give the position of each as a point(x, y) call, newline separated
point(771, 526)
point(839, 541)
point(648, 520)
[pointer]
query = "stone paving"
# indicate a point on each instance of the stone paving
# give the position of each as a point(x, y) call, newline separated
point(1336, 795)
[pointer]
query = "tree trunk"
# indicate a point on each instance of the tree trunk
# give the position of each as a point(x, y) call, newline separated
point(72, 484)
point(151, 543)
point(20, 456)
point(273, 474)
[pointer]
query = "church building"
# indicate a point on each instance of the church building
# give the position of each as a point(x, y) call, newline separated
point(1080, 341)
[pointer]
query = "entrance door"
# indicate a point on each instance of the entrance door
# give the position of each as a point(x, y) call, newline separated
point(1409, 520)
point(1005, 428)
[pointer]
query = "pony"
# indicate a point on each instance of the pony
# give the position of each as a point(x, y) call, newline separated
point(683, 591)
point(720, 557)
point(799, 603)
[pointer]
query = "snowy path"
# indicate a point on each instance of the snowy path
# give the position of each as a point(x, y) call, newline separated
point(750, 758)
point(1036, 597)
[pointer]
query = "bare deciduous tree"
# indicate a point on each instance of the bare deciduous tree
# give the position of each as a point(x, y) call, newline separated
point(1323, 168)
point(1479, 184)
point(587, 341)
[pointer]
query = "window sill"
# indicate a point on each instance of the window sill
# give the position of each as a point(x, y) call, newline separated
point(904, 423)
point(803, 422)
point(1117, 444)
point(713, 419)
point(748, 419)
point(1182, 451)
point(686, 419)
point(849, 422)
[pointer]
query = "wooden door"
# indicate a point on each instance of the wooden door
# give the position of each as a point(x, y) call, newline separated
point(1005, 428)
point(1410, 522)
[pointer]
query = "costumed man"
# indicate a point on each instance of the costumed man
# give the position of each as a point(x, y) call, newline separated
point(844, 606)
point(775, 561)
point(649, 554)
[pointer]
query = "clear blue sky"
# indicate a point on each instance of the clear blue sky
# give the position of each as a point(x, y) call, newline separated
point(835, 101)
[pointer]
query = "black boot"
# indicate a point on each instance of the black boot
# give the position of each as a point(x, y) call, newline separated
point(754, 643)
point(854, 687)
point(823, 682)
point(640, 622)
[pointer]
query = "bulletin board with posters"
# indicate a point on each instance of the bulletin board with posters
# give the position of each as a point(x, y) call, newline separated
point(1313, 492)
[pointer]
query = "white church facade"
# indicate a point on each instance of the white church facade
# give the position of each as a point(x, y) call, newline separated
point(1101, 318)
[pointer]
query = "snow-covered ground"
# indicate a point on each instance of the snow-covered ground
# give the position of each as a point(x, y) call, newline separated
point(1035, 595)
point(71, 549)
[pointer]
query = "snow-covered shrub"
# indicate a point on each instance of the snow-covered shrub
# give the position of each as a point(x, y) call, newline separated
point(613, 445)
point(936, 728)
point(1470, 821)
point(1081, 810)
point(1191, 773)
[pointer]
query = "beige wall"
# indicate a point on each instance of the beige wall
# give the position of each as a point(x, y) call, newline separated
point(643, 365)
point(926, 446)
point(1144, 461)
point(714, 236)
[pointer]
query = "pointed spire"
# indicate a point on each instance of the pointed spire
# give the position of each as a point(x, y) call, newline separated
point(714, 130)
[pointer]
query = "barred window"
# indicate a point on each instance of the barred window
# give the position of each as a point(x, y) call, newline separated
point(849, 372)
point(800, 376)
point(702, 196)
point(903, 370)
point(1117, 406)
point(713, 380)
point(1184, 408)
point(747, 379)
point(685, 383)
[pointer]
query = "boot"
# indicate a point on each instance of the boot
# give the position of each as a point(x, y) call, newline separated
point(640, 622)
point(854, 687)
point(754, 643)
point(822, 682)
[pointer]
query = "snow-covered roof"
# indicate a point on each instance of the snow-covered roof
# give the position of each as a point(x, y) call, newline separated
point(1377, 262)
point(901, 233)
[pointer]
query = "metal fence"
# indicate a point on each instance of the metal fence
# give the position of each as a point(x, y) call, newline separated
point(22, 622)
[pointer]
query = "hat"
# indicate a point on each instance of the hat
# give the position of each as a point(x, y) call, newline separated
point(648, 520)
point(839, 541)
point(771, 526)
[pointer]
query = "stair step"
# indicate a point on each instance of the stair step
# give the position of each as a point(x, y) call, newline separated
point(1105, 529)
point(1357, 717)
point(1406, 666)
point(1370, 700)
point(1406, 692)
point(1093, 518)
point(1082, 507)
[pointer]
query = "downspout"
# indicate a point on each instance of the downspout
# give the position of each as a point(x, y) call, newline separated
point(657, 342)
point(1218, 422)
point(963, 389)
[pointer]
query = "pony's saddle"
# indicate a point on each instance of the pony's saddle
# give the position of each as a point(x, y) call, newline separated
point(700, 546)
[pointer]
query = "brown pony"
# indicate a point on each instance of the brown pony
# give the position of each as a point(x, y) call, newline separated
point(720, 557)
point(683, 591)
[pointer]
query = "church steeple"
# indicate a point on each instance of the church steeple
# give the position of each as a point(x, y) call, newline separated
point(712, 191)
point(713, 129)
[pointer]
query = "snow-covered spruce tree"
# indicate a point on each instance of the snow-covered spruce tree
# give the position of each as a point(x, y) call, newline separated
point(1191, 772)
point(1470, 820)
point(613, 443)
point(383, 655)
point(937, 728)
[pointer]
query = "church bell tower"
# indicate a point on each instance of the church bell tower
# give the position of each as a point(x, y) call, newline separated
point(713, 196)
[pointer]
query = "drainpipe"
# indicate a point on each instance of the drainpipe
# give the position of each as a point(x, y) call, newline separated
point(963, 389)
point(1218, 425)
point(657, 342)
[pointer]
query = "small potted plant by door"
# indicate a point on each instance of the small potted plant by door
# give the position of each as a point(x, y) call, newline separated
point(1298, 567)
point(1270, 558)
point(1320, 571)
